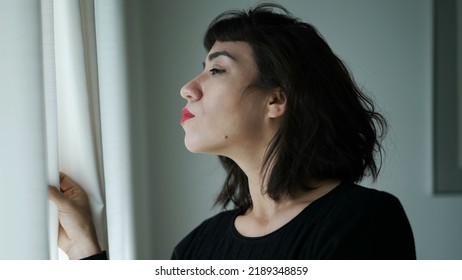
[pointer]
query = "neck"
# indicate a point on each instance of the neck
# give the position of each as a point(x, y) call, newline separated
point(265, 207)
point(250, 160)
point(267, 215)
point(251, 164)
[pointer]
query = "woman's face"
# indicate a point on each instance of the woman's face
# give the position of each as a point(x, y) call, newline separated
point(225, 109)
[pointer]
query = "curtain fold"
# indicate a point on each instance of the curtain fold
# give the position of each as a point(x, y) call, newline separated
point(64, 106)
point(115, 128)
point(51, 116)
point(79, 147)
point(93, 115)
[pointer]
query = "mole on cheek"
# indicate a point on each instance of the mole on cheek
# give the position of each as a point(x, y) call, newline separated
point(226, 136)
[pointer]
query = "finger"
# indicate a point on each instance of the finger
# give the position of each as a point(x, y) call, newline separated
point(72, 191)
point(55, 195)
point(61, 176)
point(67, 183)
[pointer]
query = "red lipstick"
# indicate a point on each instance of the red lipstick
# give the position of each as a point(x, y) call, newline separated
point(186, 115)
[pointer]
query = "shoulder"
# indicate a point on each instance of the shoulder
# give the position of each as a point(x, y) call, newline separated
point(214, 226)
point(352, 203)
point(365, 223)
point(218, 221)
point(350, 195)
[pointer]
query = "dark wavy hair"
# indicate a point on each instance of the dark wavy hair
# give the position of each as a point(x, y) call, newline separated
point(330, 129)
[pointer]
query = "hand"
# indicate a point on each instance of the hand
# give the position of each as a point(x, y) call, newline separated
point(77, 234)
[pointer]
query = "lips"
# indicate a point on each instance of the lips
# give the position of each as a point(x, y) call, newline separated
point(186, 115)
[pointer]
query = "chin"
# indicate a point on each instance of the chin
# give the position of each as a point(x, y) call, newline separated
point(193, 147)
point(198, 148)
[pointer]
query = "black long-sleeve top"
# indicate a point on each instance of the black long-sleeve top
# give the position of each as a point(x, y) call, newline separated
point(349, 222)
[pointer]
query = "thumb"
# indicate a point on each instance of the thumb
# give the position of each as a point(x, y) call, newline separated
point(56, 196)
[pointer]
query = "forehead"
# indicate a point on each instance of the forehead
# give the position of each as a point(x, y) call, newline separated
point(239, 51)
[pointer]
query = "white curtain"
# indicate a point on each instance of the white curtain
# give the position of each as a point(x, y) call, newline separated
point(63, 106)
point(115, 129)
point(23, 172)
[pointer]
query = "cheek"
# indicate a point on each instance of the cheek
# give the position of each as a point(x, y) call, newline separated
point(211, 130)
point(221, 113)
point(246, 123)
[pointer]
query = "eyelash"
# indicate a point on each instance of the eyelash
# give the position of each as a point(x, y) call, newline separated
point(215, 71)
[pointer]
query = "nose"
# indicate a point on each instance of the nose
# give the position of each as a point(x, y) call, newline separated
point(191, 91)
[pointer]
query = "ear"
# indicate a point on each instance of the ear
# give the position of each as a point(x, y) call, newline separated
point(277, 103)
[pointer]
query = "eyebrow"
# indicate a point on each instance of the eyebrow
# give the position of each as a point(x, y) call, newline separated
point(214, 55)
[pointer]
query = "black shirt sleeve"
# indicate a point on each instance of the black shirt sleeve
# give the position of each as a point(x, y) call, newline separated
point(378, 229)
point(100, 256)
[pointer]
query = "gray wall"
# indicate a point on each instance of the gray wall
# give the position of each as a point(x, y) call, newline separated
point(388, 46)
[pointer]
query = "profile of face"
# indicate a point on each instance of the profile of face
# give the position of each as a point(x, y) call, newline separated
point(226, 112)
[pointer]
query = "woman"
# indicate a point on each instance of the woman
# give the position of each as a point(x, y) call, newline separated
point(294, 133)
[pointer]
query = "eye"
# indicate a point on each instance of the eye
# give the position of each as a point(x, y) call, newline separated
point(216, 71)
